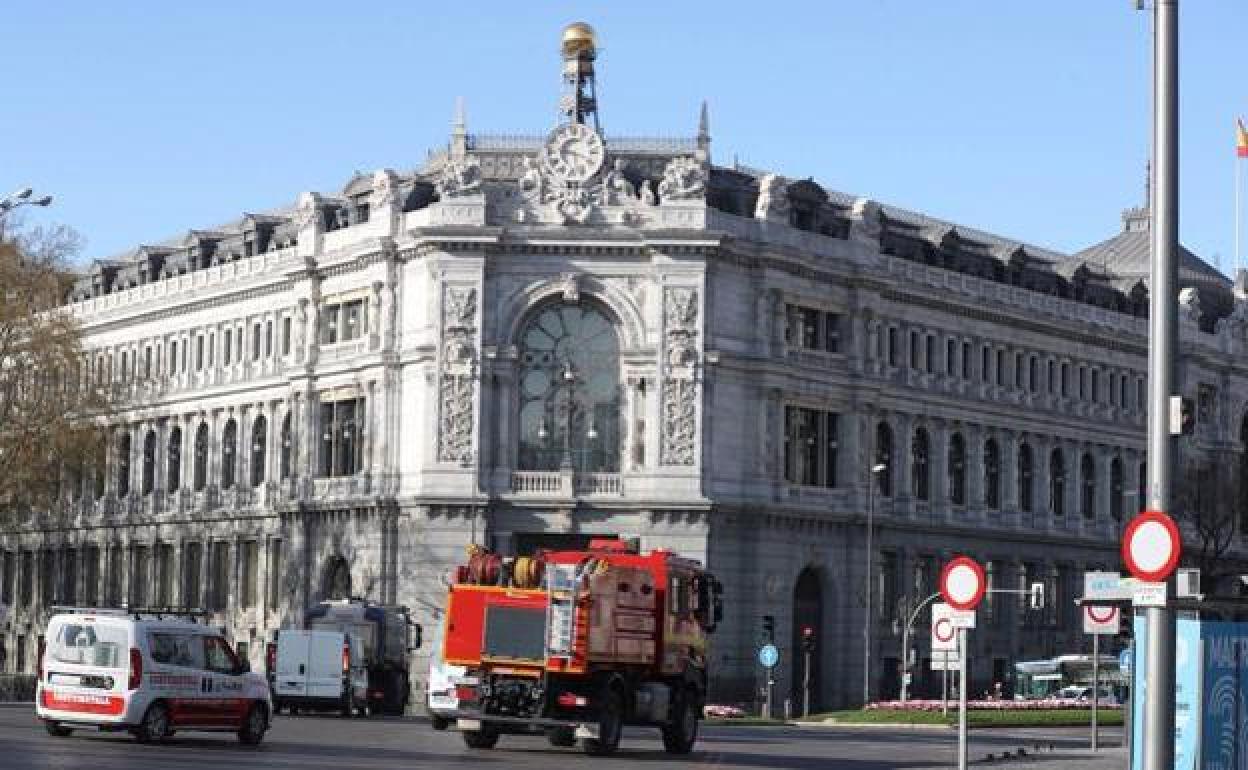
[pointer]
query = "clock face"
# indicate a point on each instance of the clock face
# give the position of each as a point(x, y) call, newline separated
point(574, 152)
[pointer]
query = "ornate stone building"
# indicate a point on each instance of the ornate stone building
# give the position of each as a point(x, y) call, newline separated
point(534, 339)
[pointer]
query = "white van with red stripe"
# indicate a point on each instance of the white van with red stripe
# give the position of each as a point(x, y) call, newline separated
point(149, 673)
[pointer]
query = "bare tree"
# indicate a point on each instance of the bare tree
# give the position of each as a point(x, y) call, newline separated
point(50, 405)
point(1206, 506)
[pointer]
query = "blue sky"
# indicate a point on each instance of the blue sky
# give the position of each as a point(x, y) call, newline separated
point(1029, 120)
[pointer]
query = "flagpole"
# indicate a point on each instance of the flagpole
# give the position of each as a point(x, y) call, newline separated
point(1239, 162)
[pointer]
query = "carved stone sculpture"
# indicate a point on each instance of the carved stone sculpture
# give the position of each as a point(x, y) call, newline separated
point(385, 189)
point(532, 183)
point(865, 220)
point(460, 178)
point(683, 179)
point(647, 193)
point(773, 198)
point(1189, 305)
point(308, 212)
point(615, 186)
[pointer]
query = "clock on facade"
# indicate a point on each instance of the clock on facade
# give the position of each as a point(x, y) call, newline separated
point(574, 152)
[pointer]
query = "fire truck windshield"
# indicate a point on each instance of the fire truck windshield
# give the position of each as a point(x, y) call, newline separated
point(515, 633)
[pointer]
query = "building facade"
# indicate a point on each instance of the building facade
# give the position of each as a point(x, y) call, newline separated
point(533, 340)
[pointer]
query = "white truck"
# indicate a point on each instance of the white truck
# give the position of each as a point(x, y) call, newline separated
point(317, 670)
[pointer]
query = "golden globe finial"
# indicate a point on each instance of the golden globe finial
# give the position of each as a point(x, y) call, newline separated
point(578, 37)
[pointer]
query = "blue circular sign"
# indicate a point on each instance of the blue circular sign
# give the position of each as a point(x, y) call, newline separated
point(768, 655)
point(1124, 659)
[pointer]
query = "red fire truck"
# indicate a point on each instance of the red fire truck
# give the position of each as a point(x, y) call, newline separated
point(579, 644)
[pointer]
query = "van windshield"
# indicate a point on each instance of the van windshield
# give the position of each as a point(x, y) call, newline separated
point(89, 645)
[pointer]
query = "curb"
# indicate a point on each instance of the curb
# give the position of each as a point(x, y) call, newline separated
point(874, 725)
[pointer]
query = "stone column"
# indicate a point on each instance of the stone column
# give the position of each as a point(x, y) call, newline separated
point(974, 470)
point(854, 460)
point(939, 439)
point(1009, 443)
point(903, 439)
point(1103, 458)
point(1072, 453)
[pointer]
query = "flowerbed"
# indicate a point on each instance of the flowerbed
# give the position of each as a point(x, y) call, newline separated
point(1048, 704)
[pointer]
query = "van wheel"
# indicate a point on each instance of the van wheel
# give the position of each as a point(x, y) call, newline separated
point(681, 733)
point(254, 726)
point(154, 726)
point(56, 730)
point(439, 723)
point(485, 738)
point(610, 727)
point(562, 737)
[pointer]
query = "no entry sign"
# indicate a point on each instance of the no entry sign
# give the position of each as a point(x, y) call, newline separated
point(945, 624)
point(1101, 619)
point(1151, 546)
point(962, 583)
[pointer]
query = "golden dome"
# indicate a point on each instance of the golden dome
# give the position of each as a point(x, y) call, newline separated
point(578, 37)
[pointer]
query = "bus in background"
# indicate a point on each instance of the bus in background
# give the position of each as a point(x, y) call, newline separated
point(1068, 676)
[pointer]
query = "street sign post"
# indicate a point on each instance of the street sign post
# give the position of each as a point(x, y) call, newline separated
point(962, 585)
point(768, 657)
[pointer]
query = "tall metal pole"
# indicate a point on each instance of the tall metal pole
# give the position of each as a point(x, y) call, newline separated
point(962, 651)
point(866, 623)
point(1096, 688)
point(1163, 336)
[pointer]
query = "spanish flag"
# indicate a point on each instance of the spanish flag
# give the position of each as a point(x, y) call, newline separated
point(1241, 139)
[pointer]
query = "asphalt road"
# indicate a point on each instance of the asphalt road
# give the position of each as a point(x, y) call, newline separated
point(309, 742)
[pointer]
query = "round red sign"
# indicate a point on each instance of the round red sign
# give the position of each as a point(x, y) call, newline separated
point(962, 583)
point(1100, 614)
point(1151, 546)
point(943, 630)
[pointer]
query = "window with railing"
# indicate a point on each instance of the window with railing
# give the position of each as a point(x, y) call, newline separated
point(812, 328)
point(342, 433)
point(810, 441)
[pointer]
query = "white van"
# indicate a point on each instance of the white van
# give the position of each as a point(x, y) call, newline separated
point(318, 670)
point(149, 674)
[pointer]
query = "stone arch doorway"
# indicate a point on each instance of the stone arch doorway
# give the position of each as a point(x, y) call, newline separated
point(807, 613)
point(337, 581)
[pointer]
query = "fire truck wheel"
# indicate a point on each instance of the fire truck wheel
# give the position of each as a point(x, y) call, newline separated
point(610, 726)
point(485, 738)
point(562, 737)
point(58, 731)
point(680, 735)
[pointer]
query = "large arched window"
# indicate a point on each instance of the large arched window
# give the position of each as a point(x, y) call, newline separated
point(1115, 489)
point(1087, 486)
point(229, 452)
point(287, 448)
point(569, 391)
point(918, 461)
point(1026, 467)
point(149, 462)
point(201, 457)
point(123, 465)
point(173, 471)
point(884, 456)
point(992, 474)
point(957, 469)
point(1057, 483)
point(259, 447)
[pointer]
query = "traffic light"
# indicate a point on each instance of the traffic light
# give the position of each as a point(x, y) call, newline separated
point(1187, 417)
point(808, 639)
point(769, 628)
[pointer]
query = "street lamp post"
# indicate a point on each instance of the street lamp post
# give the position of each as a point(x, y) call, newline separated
point(876, 469)
point(22, 197)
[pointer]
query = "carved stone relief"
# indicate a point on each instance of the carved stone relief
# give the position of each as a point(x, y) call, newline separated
point(680, 387)
point(456, 391)
point(683, 179)
point(773, 199)
point(459, 178)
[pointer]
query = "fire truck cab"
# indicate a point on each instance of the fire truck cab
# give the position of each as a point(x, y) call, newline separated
point(579, 644)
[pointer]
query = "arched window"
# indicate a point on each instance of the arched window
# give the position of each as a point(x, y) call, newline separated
point(992, 474)
point(569, 391)
point(1115, 489)
point(1087, 486)
point(201, 457)
point(1025, 471)
point(173, 471)
point(884, 456)
point(1057, 483)
point(1141, 502)
point(229, 452)
point(123, 465)
point(957, 469)
point(287, 448)
point(259, 450)
point(149, 462)
point(338, 579)
point(918, 462)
